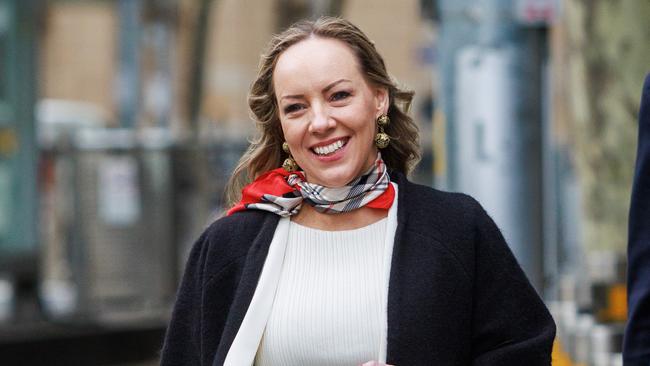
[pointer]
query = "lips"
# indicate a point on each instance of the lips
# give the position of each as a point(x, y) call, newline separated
point(328, 148)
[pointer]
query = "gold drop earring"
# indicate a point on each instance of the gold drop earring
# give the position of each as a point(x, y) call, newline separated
point(382, 140)
point(289, 164)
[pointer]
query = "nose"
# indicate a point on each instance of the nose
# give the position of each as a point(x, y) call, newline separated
point(321, 120)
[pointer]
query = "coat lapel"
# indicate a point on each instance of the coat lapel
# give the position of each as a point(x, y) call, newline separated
point(250, 275)
point(394, 291)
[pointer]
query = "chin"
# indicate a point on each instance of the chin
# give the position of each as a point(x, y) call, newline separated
point(336, 176)
point(337, 180)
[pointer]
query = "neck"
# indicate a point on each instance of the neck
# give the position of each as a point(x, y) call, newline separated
point(354, 219)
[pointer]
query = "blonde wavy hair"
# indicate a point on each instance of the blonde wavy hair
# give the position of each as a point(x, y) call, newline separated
point(265, 152)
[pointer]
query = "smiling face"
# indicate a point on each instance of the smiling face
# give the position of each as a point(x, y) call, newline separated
point(327, 110)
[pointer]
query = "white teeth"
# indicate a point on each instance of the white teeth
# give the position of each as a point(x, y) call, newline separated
point(326, 150)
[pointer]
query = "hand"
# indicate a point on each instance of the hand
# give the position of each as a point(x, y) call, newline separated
point(374, 363)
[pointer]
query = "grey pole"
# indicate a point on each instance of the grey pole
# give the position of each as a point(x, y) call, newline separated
point(492, 89)
point(128, 82)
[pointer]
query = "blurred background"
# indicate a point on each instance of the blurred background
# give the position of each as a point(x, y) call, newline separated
point(121, 120)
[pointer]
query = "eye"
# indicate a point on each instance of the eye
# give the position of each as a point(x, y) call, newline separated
point(292, 108)
point(340, 95)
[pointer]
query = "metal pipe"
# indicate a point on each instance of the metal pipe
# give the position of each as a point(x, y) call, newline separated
point(492, 102)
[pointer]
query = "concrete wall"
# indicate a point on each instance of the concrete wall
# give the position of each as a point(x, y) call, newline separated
point(79, 52)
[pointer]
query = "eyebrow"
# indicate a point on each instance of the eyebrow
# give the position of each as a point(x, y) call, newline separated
point(325, 89)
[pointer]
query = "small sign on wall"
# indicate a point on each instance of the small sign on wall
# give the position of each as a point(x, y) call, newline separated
point(119, 191)
point(536, 12)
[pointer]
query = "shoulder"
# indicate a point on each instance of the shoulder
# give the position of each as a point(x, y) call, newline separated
point(241, 223)
point(436, 212)
point(453, 222)
point(231, 237)
point(423, 197)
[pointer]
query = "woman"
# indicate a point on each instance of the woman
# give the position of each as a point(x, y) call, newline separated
point(336, 258)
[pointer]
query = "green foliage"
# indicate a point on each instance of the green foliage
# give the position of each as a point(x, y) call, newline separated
point(608, 60)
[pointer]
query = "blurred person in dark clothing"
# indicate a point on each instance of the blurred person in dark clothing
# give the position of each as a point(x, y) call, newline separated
point(636, 345)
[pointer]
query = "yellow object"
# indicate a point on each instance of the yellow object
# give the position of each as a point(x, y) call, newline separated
point(617, 301)
point(8, 141)
point(559, 357)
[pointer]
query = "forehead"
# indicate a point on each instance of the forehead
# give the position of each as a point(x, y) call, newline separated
point(313, 62)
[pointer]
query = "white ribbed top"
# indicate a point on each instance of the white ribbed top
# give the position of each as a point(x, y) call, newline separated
point(328, 305)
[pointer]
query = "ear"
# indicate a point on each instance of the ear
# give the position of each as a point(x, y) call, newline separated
point(382, 101)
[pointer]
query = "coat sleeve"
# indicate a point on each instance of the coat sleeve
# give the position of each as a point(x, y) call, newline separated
point(511, 325)
point(182, 345)
point(636, 344)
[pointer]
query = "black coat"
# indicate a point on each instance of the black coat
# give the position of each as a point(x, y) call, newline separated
point(636, 345)
point(456, 294)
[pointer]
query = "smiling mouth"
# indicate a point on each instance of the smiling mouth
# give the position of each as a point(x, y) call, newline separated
point(329, 149)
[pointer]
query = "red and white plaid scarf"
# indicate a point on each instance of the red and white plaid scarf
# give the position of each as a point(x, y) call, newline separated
point(283, 192)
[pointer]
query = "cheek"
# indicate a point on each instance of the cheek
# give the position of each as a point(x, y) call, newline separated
point(292, 133)
point(357, 118)
point(284, 131)
point(365, 123)
point(285, 127)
